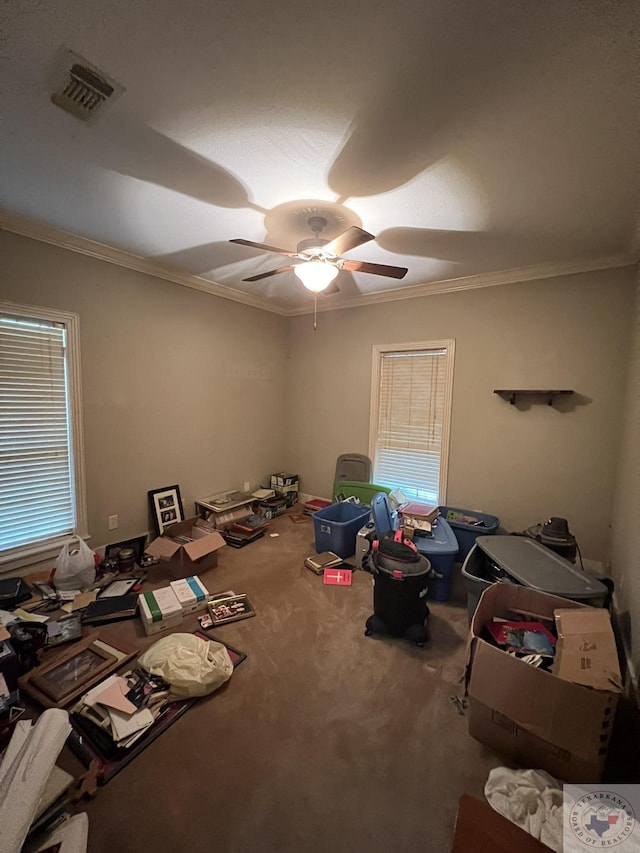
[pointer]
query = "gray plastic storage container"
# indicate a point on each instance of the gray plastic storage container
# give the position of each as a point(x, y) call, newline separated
point(517, 559)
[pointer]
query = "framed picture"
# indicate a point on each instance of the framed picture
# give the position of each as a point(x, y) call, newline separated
point(62, 677)
point(223, 610)
point(166, 507)
point(68, 674)
point(137, 543)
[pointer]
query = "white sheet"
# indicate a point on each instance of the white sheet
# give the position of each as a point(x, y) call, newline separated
point(24, 773)
point(532, 799)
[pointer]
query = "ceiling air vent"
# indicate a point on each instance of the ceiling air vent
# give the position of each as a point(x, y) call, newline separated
point(84, 89)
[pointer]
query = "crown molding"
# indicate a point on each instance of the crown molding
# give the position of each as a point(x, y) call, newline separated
point(490, 279)
point(65, 240)
point(26, 227)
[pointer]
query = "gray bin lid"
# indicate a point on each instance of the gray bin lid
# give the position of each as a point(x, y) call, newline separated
point(535, 566)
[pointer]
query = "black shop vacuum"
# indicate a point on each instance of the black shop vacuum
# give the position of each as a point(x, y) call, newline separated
point(555, 535)
point(400, 581)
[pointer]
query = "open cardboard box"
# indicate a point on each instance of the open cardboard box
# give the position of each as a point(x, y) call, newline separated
point(537, 718)
point(188, 558)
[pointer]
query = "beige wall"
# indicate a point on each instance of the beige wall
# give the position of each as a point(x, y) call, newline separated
point(521, 465)
point(178, 386)
point(182, 387)
point(625, 556)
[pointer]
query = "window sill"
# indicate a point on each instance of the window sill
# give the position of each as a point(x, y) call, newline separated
point(29, 556)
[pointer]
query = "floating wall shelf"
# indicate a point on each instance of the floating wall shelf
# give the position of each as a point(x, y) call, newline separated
point(511, 395)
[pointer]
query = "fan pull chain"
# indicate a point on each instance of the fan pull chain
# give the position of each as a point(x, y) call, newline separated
point(315, 311)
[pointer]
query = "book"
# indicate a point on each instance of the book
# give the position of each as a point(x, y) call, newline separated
point(249, 523)
point(110, 609)
point(416, 509)
point(527, 638)
point(337, 576)
point(238, 539)
point(319, 562)
point(313, 505)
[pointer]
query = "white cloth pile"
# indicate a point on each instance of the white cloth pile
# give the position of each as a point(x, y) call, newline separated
point(532, 799)
point(24, 773)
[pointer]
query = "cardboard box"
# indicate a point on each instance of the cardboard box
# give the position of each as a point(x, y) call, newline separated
point(281, 480)
point(537, 718)
point(187, 558)
point(586, 650)
point(191, 593)
point(160, 610)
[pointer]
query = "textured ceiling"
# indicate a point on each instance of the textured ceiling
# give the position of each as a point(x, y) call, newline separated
point(469, 137)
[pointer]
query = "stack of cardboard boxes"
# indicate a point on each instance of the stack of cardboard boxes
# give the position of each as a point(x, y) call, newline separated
point(286, 486)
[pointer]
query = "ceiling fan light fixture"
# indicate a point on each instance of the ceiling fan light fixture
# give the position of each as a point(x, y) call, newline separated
point(316, 274)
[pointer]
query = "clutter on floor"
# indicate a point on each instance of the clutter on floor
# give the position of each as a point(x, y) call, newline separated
point(528, 692)
point(479, 829)
point(30, 785)
point(532, 799)
point(551, 718)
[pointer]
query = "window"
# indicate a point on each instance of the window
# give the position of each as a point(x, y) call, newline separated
point(410, 418)
point(41, 456)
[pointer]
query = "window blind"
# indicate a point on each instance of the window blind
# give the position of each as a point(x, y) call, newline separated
point(411, 409)
point(36, 472)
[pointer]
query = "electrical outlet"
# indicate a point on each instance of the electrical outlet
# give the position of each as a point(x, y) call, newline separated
point(113, 522)
point(247, 485)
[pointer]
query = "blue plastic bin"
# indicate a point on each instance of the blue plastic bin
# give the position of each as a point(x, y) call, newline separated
point(440, 549)
point(336, 527)
point(466, 534)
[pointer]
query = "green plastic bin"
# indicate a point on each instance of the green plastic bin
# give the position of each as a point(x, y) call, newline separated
point(364, 492)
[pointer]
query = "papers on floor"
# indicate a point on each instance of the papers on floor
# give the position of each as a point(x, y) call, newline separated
point(109, 705)
point(25, 616)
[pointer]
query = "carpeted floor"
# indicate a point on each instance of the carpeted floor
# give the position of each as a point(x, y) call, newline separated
point(324, 739)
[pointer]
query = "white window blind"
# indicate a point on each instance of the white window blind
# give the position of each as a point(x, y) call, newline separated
point(410, 423)
point(37, 475)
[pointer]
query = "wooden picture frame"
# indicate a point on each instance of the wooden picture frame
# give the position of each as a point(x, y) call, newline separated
point(63, 677)
point(166, 507)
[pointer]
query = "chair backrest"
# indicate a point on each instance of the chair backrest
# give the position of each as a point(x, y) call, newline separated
point(354, 467)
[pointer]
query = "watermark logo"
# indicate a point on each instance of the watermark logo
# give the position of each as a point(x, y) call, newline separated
point(597, 818)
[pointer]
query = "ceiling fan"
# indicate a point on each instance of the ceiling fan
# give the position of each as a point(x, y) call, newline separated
point(319, 259)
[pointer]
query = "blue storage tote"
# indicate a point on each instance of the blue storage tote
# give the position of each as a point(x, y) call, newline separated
point(336, 527)
point(440, 549)
point(465, 533)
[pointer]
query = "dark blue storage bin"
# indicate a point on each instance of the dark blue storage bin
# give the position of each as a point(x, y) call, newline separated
point(466, 534)
point(440, 549)
point(336, 527)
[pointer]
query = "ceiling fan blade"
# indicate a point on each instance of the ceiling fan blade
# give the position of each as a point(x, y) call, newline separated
point(349, 239)
point(264, 247)
point(376, 269)
point(270, 273)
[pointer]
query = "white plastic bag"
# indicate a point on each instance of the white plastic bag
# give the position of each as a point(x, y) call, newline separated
point(193, 667)
point(75, 567)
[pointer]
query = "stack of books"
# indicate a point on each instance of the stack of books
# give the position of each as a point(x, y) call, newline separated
point(244, 530)
point(419, 517)
point(271, 507)
point(313, 505)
